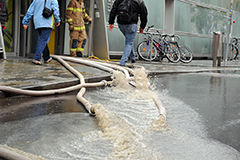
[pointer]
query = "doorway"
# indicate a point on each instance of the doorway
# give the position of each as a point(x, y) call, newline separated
point(89, 6)
point(28, 39)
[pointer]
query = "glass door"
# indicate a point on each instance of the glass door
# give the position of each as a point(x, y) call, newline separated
point(28, 38)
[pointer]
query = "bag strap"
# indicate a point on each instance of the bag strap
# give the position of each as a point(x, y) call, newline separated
point(45, 3)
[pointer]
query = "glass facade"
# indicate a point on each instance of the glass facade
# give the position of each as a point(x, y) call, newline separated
point(155, 16)
point(198, 21)
point(195, 22)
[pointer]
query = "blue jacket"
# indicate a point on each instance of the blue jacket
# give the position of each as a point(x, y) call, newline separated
point(35, 10)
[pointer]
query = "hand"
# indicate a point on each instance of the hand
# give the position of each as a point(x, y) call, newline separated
point(25, 26)
point(57, 24)
point(141, 30)
point(70, 27)
point(110, 27)
point(89, 20)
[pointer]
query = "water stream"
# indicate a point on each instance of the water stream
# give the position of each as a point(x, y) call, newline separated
point(127, 126)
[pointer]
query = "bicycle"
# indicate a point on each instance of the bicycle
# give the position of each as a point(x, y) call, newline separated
point(150, 49)
point(234, 48)
point(186, 55)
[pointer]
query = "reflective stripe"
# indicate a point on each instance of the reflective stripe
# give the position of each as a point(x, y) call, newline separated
point(78, 10)
point(73, 49)
point(80, 49)
point(70, 9)
point(79, 28)
point(70, 20)
point(85, 15)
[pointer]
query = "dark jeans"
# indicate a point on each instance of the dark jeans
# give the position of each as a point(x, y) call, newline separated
point(42, 48)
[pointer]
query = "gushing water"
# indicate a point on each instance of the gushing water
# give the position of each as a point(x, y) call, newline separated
point(126, 138)
point(127, 126)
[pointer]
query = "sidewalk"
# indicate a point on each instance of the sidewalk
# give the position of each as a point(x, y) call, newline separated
point(21, 73)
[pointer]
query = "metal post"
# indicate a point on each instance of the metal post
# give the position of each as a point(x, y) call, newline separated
point(2, 49)
point(215, 50)
point(229, 32)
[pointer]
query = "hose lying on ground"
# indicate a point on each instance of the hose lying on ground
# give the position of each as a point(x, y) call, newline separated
point(4, 153)
point(10, 155)
point(82, 91)
point(106, 67)
point(54, 91)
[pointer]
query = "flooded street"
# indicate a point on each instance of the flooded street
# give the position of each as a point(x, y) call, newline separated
point(215, 96)
point(202, 121)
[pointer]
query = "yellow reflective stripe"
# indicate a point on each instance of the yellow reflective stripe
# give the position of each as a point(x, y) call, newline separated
point(79, 28)
point(80, 49)
point(78, 10)
point(70, 20)
point(73, 49)
point(70, 8)
point(85, 15)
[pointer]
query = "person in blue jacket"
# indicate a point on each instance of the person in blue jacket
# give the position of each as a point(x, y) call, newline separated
point(43, 25)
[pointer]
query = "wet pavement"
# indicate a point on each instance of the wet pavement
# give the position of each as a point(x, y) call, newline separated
point(195, 123)
point(21, 73)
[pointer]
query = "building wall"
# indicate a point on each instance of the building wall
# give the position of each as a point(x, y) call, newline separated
point(155, 16)
point(195, 22)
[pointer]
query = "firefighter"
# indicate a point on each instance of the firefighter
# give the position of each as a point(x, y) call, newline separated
point(76, 15)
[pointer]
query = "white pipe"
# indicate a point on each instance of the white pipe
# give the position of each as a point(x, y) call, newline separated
point(89, 63)
point(10, 155)
point(14, 156)
point(101, 65)
point(104, 66)
point(51, 92)
point(82, 91)
point(162, 110)
point(83, 85)
point(116, 67)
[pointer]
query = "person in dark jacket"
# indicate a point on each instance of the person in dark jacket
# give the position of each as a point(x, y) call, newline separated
point(129, 30)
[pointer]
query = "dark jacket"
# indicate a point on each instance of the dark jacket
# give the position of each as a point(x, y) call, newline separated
point(139, 9)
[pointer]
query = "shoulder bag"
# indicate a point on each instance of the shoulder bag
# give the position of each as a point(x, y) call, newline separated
point(46, 12)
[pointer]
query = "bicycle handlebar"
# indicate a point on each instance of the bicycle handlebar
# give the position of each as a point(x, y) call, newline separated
point(160, 34)
point(149, 27)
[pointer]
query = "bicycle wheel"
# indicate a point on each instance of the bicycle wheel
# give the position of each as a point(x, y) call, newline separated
point(233, 52)
point(185, 54)
point(146, 52)
point(173, 55)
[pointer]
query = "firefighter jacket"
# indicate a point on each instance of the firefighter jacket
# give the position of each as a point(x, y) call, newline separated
point(76, 14)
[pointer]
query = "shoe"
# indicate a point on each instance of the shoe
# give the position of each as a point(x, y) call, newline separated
point(36, 62)
point(133, 60)
point(123, 65)
point(49, 60)
point(79, 54)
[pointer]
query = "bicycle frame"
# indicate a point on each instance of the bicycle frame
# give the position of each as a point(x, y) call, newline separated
point(153, 48)
point(158, 45)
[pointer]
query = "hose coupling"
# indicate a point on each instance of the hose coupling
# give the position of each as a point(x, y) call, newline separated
point(105, 82)
point(161, 114)
point(91, 111)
